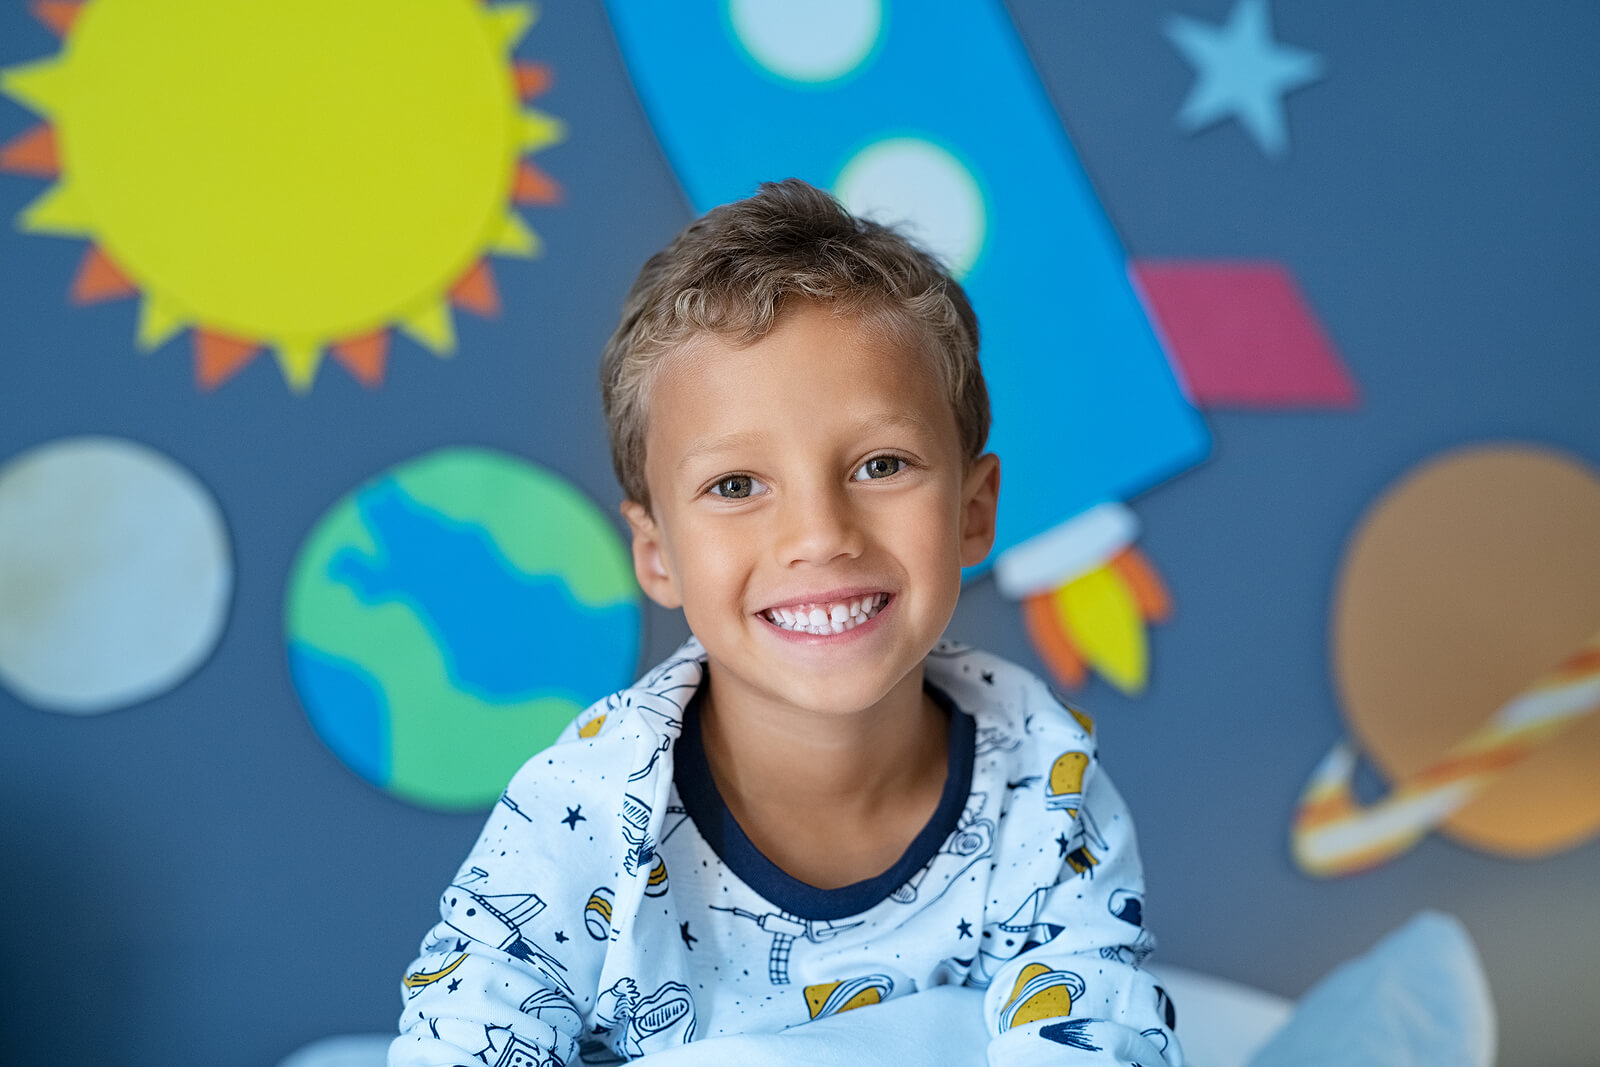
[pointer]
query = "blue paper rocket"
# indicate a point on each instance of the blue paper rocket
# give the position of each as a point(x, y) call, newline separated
point(936, 121)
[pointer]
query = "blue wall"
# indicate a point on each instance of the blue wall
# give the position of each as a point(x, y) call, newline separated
point(198, 880)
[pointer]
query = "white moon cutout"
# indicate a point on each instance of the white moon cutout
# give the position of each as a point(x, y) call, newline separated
point(115, 574)
point(817, 41)
point(922, 190)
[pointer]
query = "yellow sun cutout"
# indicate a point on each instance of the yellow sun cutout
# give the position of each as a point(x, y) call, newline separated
point(297, 175)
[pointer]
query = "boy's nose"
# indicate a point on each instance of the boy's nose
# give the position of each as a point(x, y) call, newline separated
point(818, 527)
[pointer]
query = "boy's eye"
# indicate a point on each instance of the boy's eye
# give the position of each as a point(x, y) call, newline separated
point(737, 487)
point(879, 467)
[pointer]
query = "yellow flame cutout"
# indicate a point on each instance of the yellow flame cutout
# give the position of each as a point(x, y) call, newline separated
point(1098, 619)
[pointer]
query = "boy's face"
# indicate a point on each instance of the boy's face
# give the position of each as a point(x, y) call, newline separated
point(818, 470)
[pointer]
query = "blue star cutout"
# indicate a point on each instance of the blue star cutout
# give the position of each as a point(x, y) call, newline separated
point(574, 817)
point(561, 937)
point(1063, 844)
point(454, 982)
point(965, 929)
point(1241, 73)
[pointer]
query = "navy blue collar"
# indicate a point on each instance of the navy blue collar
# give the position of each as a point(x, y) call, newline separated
point(691, 773)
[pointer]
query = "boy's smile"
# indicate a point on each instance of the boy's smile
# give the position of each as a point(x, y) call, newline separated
point(811, 512)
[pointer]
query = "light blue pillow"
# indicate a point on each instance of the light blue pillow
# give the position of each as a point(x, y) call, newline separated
point(1418, 998)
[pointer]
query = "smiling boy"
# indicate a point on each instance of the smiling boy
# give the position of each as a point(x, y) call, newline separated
point(816, 804)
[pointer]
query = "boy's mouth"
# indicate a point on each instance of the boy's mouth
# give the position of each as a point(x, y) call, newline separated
point(827, 617)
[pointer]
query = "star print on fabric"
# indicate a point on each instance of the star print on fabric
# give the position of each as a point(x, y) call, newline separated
point(454, 983)
point(1241, 73)
point(988, 677)
point(1063, 844)
point(561, 937)
point(688, 938)
point(574, 817)
point(461, 945)
point(965, 929)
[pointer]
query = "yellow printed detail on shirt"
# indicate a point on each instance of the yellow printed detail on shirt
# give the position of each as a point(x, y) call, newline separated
point(656, 883)
point(1084, 719)
point(597, 914)
point(418, 979)
point(1040, 993)
point(1066, 782)
point(830, 998)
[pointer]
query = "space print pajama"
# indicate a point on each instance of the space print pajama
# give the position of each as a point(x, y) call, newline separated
point(613, 907)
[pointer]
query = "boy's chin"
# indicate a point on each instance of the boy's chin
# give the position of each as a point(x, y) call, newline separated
point(838, 695)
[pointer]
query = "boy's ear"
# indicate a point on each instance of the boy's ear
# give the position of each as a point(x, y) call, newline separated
point(980, 497)
point(649, 557)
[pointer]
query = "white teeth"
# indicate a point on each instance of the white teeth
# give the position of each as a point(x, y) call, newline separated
point(831, 618)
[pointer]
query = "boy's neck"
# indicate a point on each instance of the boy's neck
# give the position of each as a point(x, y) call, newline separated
point(830, 799)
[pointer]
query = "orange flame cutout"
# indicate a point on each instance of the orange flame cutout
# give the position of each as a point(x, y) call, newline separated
point(1098, 620)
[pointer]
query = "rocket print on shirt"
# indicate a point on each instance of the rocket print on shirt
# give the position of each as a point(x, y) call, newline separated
point(630, 930)
point(785, 929)
point(497, 920)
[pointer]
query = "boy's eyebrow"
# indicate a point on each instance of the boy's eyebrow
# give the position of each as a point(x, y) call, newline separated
point(738, 439)
point(707, 445)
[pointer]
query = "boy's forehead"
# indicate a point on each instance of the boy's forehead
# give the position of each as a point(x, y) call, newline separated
point(814, 338)
point(708, 389)
point(714, 401)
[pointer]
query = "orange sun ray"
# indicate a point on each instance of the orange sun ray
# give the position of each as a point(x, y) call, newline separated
point(475, 291)
point(261, 318)
point(532, 78)
point(534, 186)
point(34, 153)
point(1042, 622)
point(58, 15)
point(99, 279)
point(218, 357)
point(364, 357)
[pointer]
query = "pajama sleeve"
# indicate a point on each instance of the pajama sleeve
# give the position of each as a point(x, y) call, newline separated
point(511, 972)
point(1075, 994)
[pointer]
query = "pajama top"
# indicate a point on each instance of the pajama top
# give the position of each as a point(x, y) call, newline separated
point(613, 907)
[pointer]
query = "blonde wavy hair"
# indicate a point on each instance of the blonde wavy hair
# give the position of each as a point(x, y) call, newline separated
point(732, 273)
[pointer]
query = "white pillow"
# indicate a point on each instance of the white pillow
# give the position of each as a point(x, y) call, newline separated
point(1418, 998)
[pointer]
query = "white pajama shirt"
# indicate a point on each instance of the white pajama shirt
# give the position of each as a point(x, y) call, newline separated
point(612, 906)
